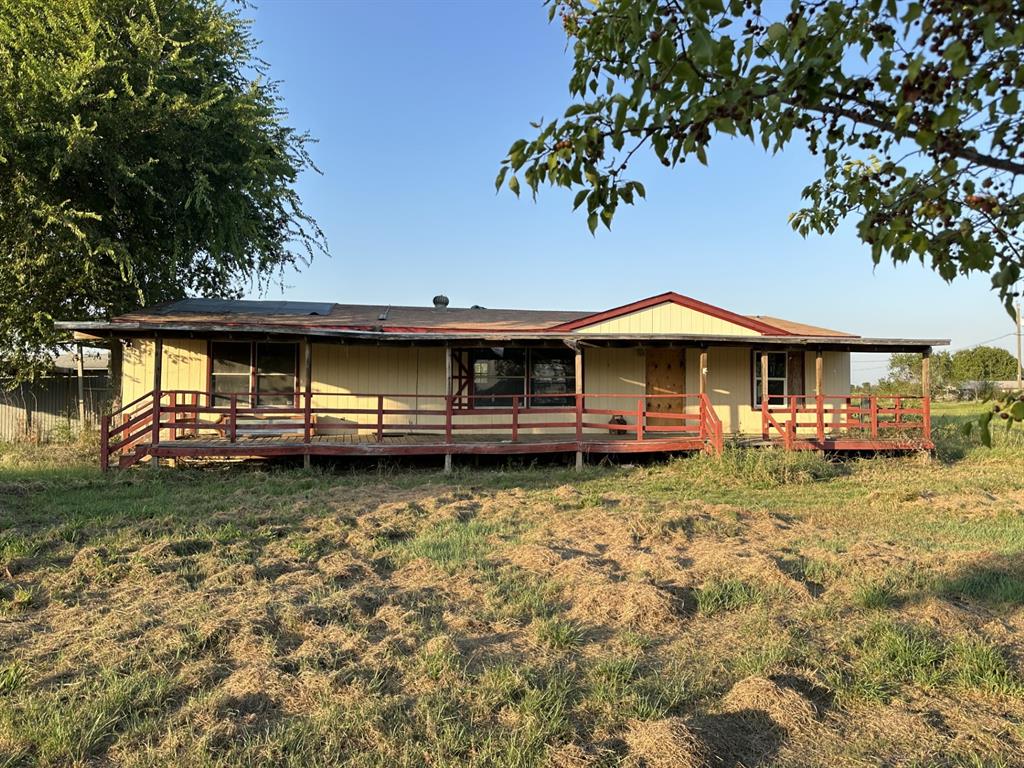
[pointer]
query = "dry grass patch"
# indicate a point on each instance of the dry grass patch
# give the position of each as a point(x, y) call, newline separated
point(759, 611)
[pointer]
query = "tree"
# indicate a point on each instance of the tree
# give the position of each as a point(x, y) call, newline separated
point(914, 108)
point(904, 374)
point(984, 364)
point(143, 157)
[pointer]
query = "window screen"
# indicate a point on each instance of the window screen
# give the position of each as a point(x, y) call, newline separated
point(230, 369)
point(552, 372)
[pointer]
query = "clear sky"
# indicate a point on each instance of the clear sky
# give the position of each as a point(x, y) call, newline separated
point(414, 105)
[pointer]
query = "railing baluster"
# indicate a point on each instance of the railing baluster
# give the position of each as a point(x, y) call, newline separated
point(640, 418)
point(515, 418)
point(820, 416)
point(579, 418)
point(307, 417)
point(448, 413)
point(873, 405)
point(233, 419)
point(380, 418)
point(926, 406)
point(156, 417)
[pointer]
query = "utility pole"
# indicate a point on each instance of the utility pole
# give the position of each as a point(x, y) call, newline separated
point(1020, 384)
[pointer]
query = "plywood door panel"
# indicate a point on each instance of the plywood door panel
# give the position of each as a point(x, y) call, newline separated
point(666, 375)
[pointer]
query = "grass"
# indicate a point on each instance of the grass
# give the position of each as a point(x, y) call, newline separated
point(782, 609)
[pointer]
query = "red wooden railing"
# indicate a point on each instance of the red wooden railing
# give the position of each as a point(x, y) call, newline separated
point(170, 415)
point(892, 418)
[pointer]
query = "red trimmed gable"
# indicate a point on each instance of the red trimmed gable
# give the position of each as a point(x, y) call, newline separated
point(671, 297)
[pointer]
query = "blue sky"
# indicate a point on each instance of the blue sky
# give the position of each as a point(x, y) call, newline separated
point(414, 105)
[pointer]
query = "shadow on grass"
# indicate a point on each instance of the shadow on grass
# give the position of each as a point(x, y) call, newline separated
point(997, 582)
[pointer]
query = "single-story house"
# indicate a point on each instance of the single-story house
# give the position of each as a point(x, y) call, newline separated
point(210, 377)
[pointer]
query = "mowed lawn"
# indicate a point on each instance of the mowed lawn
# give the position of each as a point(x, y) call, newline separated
point(763, 609)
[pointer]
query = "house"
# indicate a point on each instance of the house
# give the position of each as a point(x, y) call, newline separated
point(208, 377)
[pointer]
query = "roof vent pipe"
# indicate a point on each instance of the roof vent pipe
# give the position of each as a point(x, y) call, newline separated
point(441, 303)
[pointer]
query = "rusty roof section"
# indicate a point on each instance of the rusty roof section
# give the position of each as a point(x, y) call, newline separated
point(801, 329)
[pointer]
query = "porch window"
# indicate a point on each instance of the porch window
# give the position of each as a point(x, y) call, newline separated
point(552, 372)
point(501, 372)
point(497, 373)
point(264, 373)
point(777, 378)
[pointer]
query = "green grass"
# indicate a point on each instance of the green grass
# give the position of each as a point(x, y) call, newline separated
point(256, 615)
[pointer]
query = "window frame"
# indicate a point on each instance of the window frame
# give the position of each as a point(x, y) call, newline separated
point(755, 378)
point(252, 390)
point(527, 395)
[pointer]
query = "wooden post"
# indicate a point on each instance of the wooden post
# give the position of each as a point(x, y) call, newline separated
point(105, 443)
point(639, 418)
point(703, 370)
point(81, 389)
point(579, 408)
point(515, 418)
point(819, 396)
point(158, 362)
point(926, 394)
point(307, 413)
point(764, 395)
point(380, 418)
point(233, 418)
point(448, 409)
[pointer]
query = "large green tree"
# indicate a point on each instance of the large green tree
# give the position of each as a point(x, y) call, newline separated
point(984, 364)
point(913, 107)
point(143, 157)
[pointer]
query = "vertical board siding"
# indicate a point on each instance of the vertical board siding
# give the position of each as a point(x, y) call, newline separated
point(668, 318)
point(340, 371)
point(613, 371)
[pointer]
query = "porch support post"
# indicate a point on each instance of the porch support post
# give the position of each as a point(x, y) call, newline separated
point(81, 388)
point(764, 394)
point(819, 377)
point(579, 408)
point(448, 408)
point(307, 406)
point(703, 370)
point(158, 361)
point(926, 394)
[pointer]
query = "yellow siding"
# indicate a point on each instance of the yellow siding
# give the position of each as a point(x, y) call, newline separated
point(669, 318)
point(342, 372)
point(730, 384)
point(613, 371)
point(183, 367)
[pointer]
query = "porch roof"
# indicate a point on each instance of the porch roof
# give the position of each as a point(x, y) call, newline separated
point(129, 329)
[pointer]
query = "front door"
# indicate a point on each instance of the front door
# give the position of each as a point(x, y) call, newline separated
point(666, 375)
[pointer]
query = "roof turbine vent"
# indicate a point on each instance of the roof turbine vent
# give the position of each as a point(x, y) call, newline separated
point(441, 302)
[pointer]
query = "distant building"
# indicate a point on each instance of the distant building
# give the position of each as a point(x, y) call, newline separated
point(48, 407)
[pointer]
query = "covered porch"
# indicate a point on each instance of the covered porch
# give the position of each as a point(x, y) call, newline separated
point(316, 415)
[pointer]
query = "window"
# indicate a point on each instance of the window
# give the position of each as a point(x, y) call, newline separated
point(230, 371)
point(496, 372)
point(776, 378)
point(275, 373)
point(501, 372)
point(552, 372)
point(260, 372)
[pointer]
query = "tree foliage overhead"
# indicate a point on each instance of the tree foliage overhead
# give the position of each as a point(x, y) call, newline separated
point(914, 108)
point(143, 157)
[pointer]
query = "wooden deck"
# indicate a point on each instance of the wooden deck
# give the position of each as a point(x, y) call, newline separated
point(187, 424)
point(412, 444)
